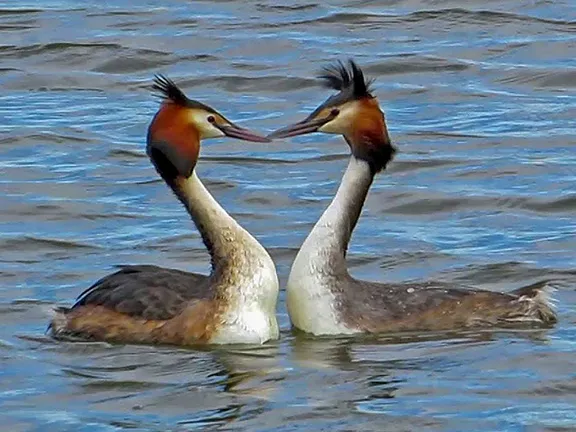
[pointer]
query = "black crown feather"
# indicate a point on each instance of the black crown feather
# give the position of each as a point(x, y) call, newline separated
point(168, 90)
point(348, 79)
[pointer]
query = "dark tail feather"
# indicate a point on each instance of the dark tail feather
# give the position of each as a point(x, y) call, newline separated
point(531, 290)
point(56, 322)
point(541, 303)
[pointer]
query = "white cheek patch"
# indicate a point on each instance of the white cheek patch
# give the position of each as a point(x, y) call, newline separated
point(206, 129)
point(342, 122)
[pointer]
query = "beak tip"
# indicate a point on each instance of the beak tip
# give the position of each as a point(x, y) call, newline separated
point(272, 135)
point(260, 138)
point(244, 134)
point(301, 128)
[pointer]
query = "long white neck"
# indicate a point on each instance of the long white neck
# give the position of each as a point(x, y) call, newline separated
point(320, 265)
point(327, 243)
point(239, 261)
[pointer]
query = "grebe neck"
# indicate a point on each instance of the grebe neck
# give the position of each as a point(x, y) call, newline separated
point(243, 276)
point(319, 272)
point(327, 243)
point(220, 232)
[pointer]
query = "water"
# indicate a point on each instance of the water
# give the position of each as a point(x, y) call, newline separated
point(480, 99)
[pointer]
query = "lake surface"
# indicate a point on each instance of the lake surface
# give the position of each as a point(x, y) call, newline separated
point(480, 98)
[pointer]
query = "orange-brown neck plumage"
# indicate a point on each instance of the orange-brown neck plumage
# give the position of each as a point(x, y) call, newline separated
point(172, 126)
point(368, 135)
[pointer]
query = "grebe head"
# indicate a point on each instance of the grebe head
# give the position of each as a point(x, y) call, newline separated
point(353, 112)
point(174, 136)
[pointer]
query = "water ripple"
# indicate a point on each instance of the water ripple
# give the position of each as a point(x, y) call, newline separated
point(479, 101)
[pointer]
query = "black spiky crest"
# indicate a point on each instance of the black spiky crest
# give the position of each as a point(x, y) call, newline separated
point(166, 89)
point(348, 79)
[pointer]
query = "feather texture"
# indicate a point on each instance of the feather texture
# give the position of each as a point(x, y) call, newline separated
point(346, 78)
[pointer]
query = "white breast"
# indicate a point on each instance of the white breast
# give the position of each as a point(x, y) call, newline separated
point(250, 326)
point(311, 303)
point(251, 317)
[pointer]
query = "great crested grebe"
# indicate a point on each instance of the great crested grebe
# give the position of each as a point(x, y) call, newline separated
point(236, 303)
point(322, 297)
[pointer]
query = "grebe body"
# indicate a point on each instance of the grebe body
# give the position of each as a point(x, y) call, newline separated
point(323, 298)
point(235, 303)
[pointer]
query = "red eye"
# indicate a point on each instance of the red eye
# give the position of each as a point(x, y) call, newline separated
point(335, 112)
point(211, 119)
